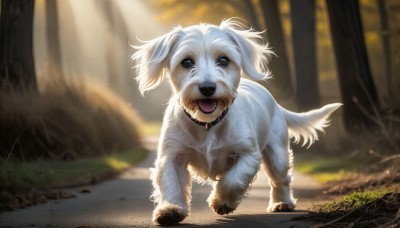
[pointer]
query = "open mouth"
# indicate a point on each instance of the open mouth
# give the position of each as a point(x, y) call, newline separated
point(207, 106)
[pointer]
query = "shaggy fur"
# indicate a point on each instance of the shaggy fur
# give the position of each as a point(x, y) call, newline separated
point(205, 64)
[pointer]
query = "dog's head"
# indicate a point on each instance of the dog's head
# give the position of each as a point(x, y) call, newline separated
point(204, 63)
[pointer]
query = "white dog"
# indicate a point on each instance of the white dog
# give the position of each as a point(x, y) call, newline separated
point(219, 126)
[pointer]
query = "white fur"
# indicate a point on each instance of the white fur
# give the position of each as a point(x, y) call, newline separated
point(255, 131)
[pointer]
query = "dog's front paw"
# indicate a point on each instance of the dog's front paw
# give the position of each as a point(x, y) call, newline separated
point(169, 215)
point(221, 208)
point(280, 207)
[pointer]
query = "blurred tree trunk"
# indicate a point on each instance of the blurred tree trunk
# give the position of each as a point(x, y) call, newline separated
point(393, 89)
point(107, 9)
point(357, 87)
point(281, 84)
point(304, 49)
point(16, 44)
point(53, 38)
point(115, 25)
point(249, 8)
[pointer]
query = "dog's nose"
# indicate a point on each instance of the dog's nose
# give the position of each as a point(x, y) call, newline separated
point(207, 88)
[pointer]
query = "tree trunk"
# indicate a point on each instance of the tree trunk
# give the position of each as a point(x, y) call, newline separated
point(281, 84)
point(393, 88)
point(53, 40)
point(304, 49)
point(16, 45)
point(248, 7)
point(357, 87)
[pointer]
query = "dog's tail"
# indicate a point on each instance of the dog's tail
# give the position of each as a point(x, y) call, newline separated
point(305, 125)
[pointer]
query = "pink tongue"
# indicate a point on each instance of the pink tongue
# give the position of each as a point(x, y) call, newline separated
point(207, 105)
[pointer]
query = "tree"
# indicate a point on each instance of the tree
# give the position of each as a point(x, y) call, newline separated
point(281, 82)
point(16, 45)
point(358, 90)
point(116, 47)
point(304, 48)
point(53, 40)
point(392, 87)
point(249, 11)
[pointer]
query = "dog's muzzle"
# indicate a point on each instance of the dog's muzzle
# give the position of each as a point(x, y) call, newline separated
point(207, 106)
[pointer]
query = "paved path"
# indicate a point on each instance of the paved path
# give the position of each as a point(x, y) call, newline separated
point(124, 202)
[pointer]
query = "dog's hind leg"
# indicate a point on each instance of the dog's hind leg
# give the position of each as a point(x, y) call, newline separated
point(277, 163)
point(172, 186)
point(232, 186)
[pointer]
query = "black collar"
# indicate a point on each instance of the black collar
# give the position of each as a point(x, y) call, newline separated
point(208, 125)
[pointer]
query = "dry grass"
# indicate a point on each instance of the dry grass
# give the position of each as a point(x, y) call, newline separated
point(359, 209)
point(66, 119)
point(369, 199)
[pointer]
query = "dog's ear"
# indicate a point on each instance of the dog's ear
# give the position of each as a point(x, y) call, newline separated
point(254, 54)
point(152, 59)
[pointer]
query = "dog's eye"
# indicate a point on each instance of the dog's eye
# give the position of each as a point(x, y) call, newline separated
point(187, 63)
point(223, 61)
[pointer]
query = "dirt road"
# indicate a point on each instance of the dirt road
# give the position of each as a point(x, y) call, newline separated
point(124, 202)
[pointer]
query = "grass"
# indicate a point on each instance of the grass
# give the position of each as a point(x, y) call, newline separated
point(150, 128)
point(359, 209)
point(17, 177)
point(65, 119)
point(372, 197)
point(355, 199)
point(326, 169)
point(323, 170)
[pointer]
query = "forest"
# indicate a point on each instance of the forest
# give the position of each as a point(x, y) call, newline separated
point(67, 88)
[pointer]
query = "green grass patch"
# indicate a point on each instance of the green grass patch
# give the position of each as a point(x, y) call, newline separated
point(17, 177)
point(359, 209)
point(327, 177)
point(150, 128)
point(325, 169)
point(357, 199)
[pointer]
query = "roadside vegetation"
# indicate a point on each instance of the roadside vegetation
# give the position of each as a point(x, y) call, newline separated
point(328, 168)
point(66, 133)
point(18, 177)
point(361, 187)
point(370, 208)
point(65, 120)
point(28, 183)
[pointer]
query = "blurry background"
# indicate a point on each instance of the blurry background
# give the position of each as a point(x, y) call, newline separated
point(91, 39)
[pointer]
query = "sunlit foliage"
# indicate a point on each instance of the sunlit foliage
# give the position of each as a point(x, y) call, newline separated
point(193, 11)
